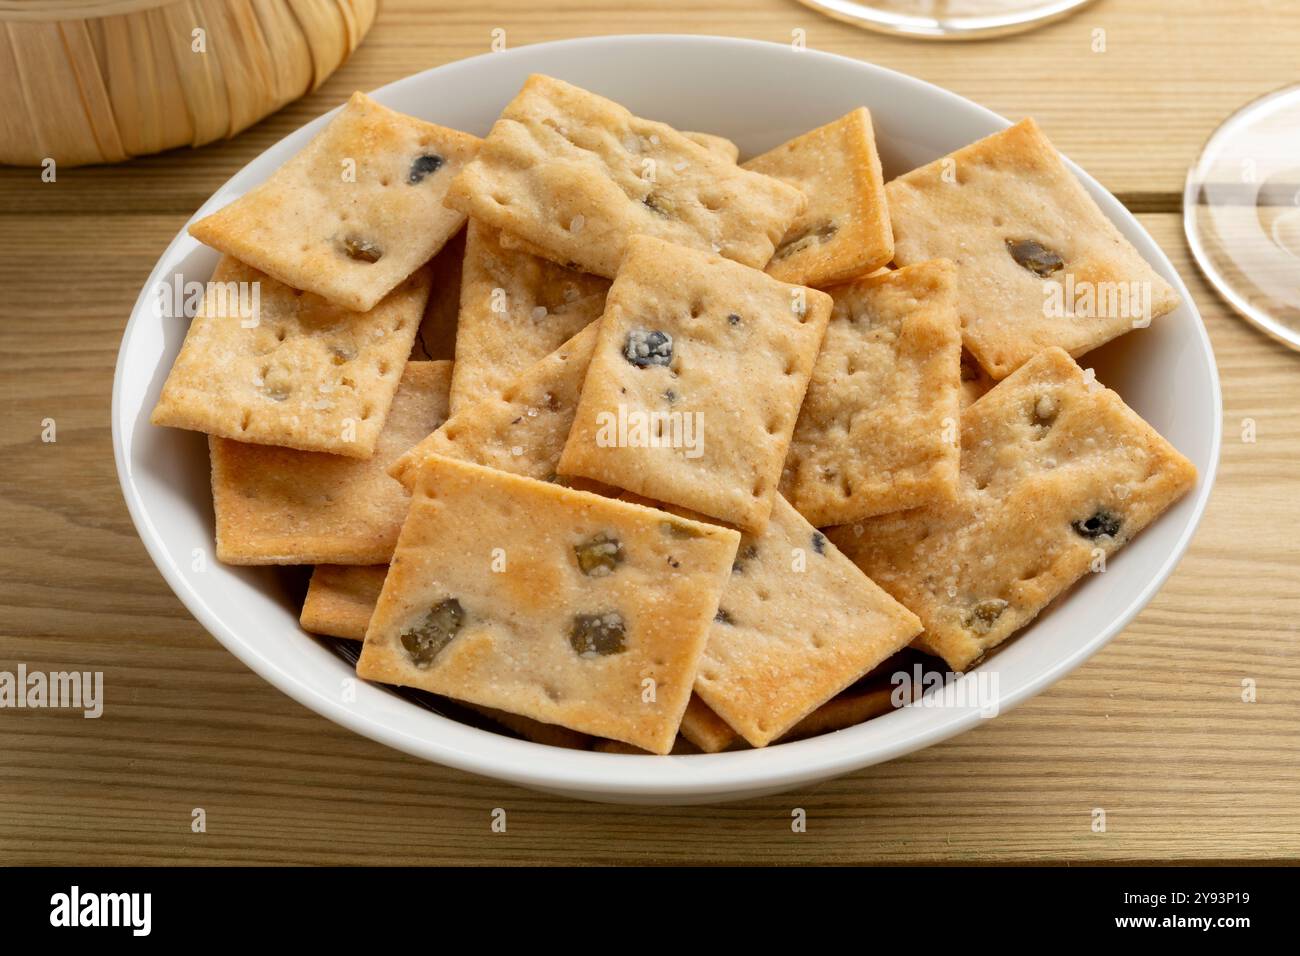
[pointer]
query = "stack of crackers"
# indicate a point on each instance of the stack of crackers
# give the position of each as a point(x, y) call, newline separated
point(720, 440)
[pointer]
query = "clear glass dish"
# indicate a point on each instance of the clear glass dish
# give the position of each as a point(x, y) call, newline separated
point(947, 19)
point(1241, 212)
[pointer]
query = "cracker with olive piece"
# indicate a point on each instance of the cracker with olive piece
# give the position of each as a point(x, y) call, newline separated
point(1056, 474)
point(576, 175)
point(354, 213)
point(283, 506)
point(877, 431)
point(515, 308)
point(505, 592)
point(300, 373)
point(797, 623)
point(844, 232)
point(1023, 231)
point(340, 600)
point(714, 354)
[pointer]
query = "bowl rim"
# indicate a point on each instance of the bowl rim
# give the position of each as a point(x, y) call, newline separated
point(594, 775)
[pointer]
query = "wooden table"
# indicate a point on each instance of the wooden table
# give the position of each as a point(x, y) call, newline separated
point(1153, 729)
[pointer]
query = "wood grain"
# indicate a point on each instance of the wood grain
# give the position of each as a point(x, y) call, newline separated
point(1152, 729)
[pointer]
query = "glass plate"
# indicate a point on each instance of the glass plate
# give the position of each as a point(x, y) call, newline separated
point(947, 19)
point(1241, 211)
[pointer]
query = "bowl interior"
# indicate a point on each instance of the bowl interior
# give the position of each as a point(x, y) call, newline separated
point(759, 95)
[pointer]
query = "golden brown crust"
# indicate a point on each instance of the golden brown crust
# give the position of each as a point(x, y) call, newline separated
point(878, 429)
point(797, 623)
point(844, 230)
point(1008, 188)
point(743, 347)
point(283, 506)
point(1057, 473)
point(577, 175)
point(610, 652)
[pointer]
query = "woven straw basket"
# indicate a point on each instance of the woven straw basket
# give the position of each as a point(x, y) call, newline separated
point(100, 81)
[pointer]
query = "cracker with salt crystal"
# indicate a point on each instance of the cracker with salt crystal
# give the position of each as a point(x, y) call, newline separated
point(696, 381)
point(844, 232)
point(878, 428)
point(267, 364)
point(1057, 474)
point(1039, 264)
point(522, 430)
point(797, 623)
point(515, 309)
point(577, 175)
point(340, 601)
point(283, 506)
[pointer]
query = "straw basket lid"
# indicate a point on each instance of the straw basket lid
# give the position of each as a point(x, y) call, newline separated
point(100, 81)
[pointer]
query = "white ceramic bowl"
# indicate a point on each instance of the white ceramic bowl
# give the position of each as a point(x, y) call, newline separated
point(759, 95)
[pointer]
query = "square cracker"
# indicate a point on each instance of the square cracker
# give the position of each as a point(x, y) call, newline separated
point(878, 428)
point(797, 623)
point(1055, 472)
point(282, 506)
point(354, 213)
point(306, 374)
point(523, 429)
point(1013, 188)
point(848, 709)
point(577, 175)
point(515, 308)
point(340, 601)
point(723, 148)
point(704, 728)
point(743, 346)
point(487, 601)
point(341, 598)
point(844, 232)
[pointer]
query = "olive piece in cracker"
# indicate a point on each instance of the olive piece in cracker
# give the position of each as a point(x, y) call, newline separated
point(984, 614)
point(748, 553)
point(362, 250)
point(600, 555)
point(598, 635)
point(1101, 523)
point(1034, 256)
point(659, 205)
point(806, 240)
point(423, 166)
point(424, 641)
point(646, 348)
